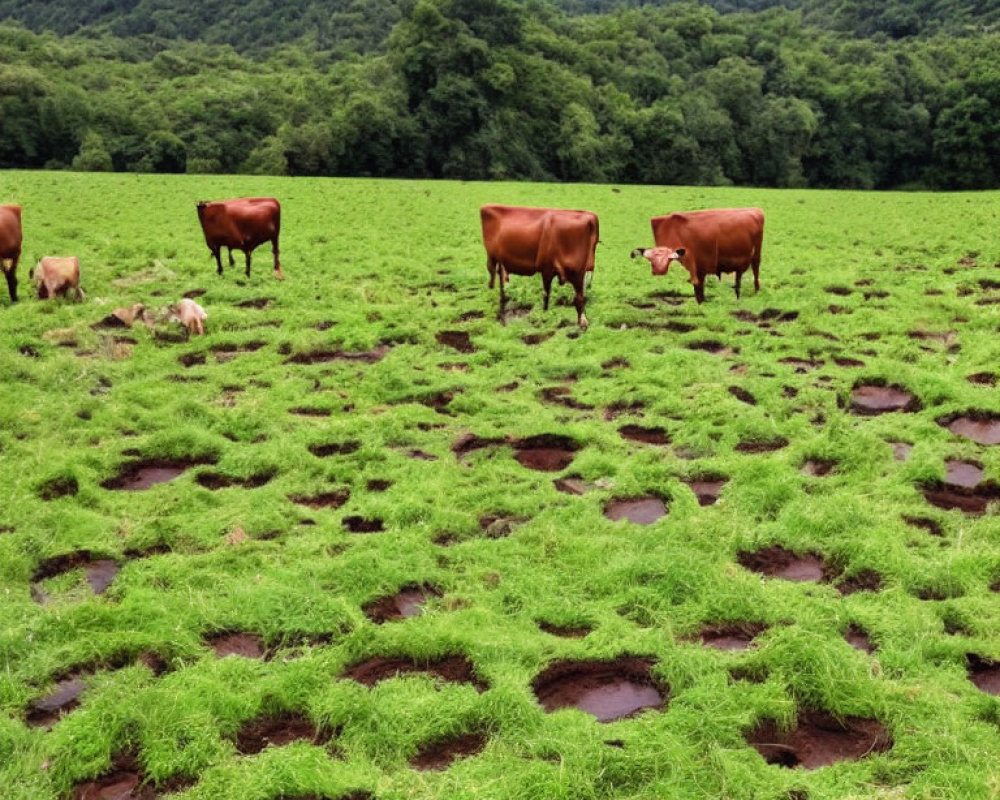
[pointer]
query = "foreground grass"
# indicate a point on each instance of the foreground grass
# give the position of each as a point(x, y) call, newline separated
point(873, 278)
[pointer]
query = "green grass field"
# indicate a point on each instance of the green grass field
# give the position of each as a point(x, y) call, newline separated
point(334, 385)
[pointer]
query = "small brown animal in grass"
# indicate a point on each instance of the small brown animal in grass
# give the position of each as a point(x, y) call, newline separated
point(191, 315)
point(56, 275)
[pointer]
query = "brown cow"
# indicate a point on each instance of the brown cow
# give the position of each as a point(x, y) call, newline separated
point(707, 243)
point(554, 242)
point(10, 246)
point(56, 276)
point(241, 224)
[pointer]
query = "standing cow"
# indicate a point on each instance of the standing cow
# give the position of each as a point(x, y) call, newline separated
point(10, 246)
point(708, 243)
point(241, 224)
point(554, 242)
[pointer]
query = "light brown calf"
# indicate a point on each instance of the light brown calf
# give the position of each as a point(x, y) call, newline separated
point(191, 315)
point(57, 276)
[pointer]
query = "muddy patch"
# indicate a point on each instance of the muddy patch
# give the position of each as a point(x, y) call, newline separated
point(982, 379)
point(333, 499)
point(777, 562)
point(407, 602)
point(140, 475)
point(616, 363)
point(761, 445)
point(459, 340)
point(44, 712)
point(359, 524)
point(710, 346)
point(547, 452)
point(982, 427)
point(310, 411)
point(620, 407)
point(323, 356)
point(278, 731)
point(963, 488)
point(442, 754)
point(984, 673)
point(871, 399)
point(233, 643)
point(560, 395)
point(842, 361)
point(125, 781)
point(818, 740)
point(537, 338)
point(864, 580)
point(257, 302)
point(818, 467)
point(707, 488)
point(500, 526)
point(335, 448)
point(99, 572)
point(640, 510)
point(573, 484)
point(451, 669)
point(469, 442)
point(742, 395)
point(800, 365)
point(645, 435)
point(731, 635)
point(378, 485)
point(564, 631)
point(216, 480)
point(901, 450)
point(925, 523)
point(60, 486)
point(608, 690)
point(858, 639)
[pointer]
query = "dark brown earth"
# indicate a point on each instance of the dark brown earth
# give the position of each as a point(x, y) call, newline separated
point(980, 426)
point(983, 379)
point(451, 669)
point(609, 690)
point(62, 486)
point(573, 484)
point(561, 396)
point(229, 643)
point(333, 499)
point(962, 488)
point(640, 510)
point(929, 525)
point(499, 526)
point(101, 573)
point(707, 488)
point(537, 338)
point(777, 562)
point(126, 781)
point(761, 445)
point(818, 467)
point(378, 485)
point(357, 524)
point(322, 356)
point(639, 433)
point(869, 400)
point(800, 364)
point(44, 712)
point(564, 631)
point(984, 673)
point(216, 480)
point(441, 754)
point(334, 448)
point(864, 580)
point(277, 731)
point(731, 635)
point(818, 740)
point(468, 442)
point(742, 395)
point(310, 411)
point(407, 602)
point(859, 640)
point(140, 475)
point(457, 339)
point(546, 452)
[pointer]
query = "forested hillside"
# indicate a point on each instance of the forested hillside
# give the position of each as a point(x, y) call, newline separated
point(495, 89)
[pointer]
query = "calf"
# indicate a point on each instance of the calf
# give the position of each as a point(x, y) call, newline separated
point(10, 246)
point(56, 276)
point(191, 315)
point(707, 243)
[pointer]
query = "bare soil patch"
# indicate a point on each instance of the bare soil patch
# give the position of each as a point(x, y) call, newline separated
point(984, 673)
point(609, 690)
point(234, 643)
point(742, 395)
point(335, 448)
point(277, 731)
point(818, 467)
point(442, 754)
point(451, 669)
point(646, 435)
point(777, 562)
point(359, 524)
point(864, 580)
point(125, 781)
point(859, 639)
point(334, 499)
point(982, 427)
point(640, 510)
point(871, 399)
point(707, 488)
point(547, 452)
point(564, 631)
point(459, 340)
point(537, 338)
point(962, 488)
point(983, 379)
point(140, 475)
point(499, 525)
point(323, 356)
point(901, 450)
point(217, 480)
point(44, 712)
point(99, 572)
point(761, 445)
point(731, 635)
point(469, 442)
point(407, 602)
point(573, 484)
point(818, 740)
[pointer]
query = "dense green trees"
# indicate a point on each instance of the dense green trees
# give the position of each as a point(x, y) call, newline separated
point(487, 89)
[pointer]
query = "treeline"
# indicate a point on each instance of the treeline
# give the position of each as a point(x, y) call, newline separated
point(493, 89)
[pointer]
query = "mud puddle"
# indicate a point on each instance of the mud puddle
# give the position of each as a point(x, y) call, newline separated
point(451, 669)
point(980, 426)
point(608, 690)
point(547, 452)
point(818, 740)
point(640, 510)
point(645, 435)
point(278, 731)
point(44, 712)
point(984, 673)
point(140, 475)
point(963, 488)
point(871, 399)
point(125, 781)
point(777, 562)
point(442, 754)
point(707, 489)
point(408, 602)
point(99, 572)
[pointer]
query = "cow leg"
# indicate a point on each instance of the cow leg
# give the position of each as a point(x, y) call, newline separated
point(577, 279)
point(11, 277)
point(737, 281)
point(547, 286)
point(277, 264)
point(246, 253)
point(232, 262)
point(491, 268)
point(756, 273)
point(217, 254)
point(699, 292)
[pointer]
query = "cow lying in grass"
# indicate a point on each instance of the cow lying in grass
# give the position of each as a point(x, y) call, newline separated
point(56, 276)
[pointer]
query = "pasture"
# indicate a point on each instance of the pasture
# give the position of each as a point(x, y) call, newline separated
point(387, 567)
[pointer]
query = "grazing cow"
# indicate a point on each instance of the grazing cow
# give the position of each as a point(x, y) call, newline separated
point(708, 243)
point(241, 224)
point(554, 242)
point(10, 246)
point(191, 315)
point(56, 276)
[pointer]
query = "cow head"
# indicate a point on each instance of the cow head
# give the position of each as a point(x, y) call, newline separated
point(659, 257)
